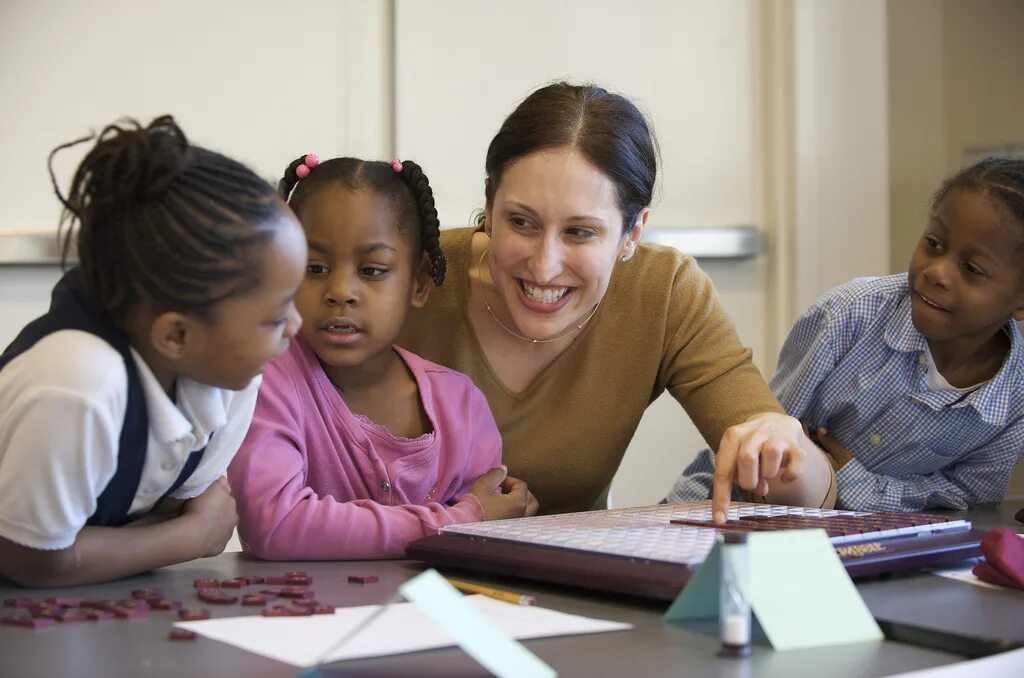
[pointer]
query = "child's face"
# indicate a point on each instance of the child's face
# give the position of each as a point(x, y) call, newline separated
point(362, 276)
point(250, 330)
point(965, 275)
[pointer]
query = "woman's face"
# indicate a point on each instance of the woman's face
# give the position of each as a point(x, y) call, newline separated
point(556, 236)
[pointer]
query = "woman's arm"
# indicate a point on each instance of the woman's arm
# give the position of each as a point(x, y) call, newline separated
point(759, 448)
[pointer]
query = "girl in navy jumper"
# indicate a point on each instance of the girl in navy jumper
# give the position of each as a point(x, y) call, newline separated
point(121, 407)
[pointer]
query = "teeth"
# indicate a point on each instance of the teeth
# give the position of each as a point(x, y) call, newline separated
point(544, 295)
point(345, 330)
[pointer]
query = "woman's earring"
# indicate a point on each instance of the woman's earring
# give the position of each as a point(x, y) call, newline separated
point(625, 257)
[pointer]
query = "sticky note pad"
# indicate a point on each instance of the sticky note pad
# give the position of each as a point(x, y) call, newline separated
point(475, 633)
point(798, 589)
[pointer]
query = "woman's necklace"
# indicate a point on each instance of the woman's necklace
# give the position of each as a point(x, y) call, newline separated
point(483, 295)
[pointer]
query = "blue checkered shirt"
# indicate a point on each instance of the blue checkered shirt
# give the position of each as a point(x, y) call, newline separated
point(855, 364)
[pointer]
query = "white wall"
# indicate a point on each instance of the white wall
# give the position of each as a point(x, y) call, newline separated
point(842, 157)
point(261, 81)
point(957, 84)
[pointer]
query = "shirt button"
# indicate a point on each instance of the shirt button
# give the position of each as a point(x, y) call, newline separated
point(923, 359)
point(167, 465)
point(152, 489)
point(875, 439)
point(385, 486)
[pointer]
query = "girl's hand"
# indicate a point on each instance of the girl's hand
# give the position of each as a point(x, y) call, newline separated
point(503, 496)
point(215, 516)
point(766, 447)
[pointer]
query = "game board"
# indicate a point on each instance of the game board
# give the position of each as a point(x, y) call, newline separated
point(652, 551)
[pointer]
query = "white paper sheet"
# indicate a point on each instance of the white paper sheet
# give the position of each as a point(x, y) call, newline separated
point(1002, 665)
point(964, 574)
point(402, 628)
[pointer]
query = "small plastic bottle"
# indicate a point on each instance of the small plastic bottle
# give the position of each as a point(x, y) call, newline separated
point(733, 606)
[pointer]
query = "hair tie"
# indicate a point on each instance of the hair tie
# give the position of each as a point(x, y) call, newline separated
point(396, 165)
point(309, 162)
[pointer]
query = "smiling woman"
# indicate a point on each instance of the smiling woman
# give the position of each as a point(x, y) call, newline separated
point(550, 282)
point(571, 326)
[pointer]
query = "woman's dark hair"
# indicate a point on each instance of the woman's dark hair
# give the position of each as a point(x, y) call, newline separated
point(164, 222)
point(409, 192)
point(999, 178)
point(608, 129)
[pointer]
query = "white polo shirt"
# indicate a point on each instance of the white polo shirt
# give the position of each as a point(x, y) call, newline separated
point(62, 404)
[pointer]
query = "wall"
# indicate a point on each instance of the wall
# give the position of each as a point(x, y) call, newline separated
point(842, 182)
point(956, 83)
point(261, 81)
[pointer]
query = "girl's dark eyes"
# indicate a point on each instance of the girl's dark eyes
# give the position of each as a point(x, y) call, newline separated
point(972, 269)
point(319, 270)
point(935, 245)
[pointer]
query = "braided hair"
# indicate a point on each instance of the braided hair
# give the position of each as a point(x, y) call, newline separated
point(409, 191)
point(162, 221)
point(1000, 178)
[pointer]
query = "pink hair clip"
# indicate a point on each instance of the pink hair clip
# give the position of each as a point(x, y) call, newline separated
point(309, 162)
point(396, 165)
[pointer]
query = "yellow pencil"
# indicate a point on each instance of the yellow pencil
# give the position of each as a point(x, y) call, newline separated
point(497, 594)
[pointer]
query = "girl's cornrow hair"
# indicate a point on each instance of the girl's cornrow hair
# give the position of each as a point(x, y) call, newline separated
point(161, 221)
point(408, 189)
point(430, 227)
point(1001, 178)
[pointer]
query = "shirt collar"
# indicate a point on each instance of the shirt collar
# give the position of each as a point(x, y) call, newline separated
point(900, 333)
point(200, 409)
point(993, 401)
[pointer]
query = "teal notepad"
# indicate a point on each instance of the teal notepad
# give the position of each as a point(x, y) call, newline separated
point(798, 590)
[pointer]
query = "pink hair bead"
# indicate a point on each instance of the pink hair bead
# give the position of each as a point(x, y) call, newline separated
point(396, 165)
point(302, 171)
point(312, 160)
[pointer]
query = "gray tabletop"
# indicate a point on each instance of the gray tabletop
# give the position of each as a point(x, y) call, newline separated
point(132, 648)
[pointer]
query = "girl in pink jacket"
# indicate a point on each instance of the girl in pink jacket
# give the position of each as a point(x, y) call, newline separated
point(357, 447)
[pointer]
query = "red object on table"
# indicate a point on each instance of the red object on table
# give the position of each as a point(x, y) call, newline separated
point(1004, 559)
point(182, 634)
point(193, 614)
point(28, 622)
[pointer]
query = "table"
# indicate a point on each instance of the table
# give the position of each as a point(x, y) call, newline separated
point(134, 648)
